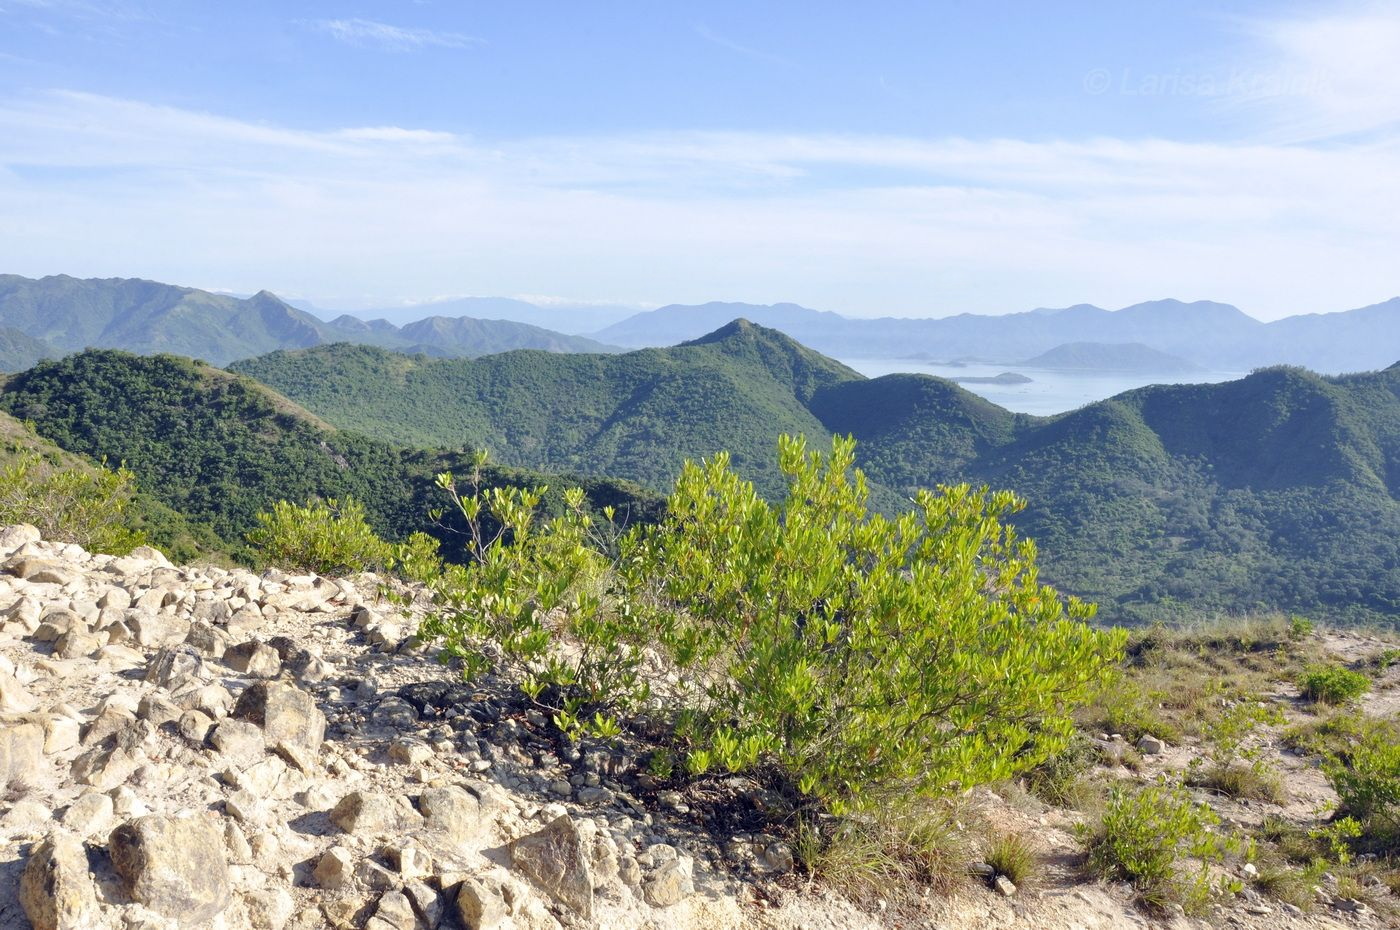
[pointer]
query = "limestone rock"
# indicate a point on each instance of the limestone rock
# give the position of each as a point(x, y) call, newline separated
point(254, 659)
point(480, 905)
point(670, 884)
point(370, 813)
point(175, 667)
point(269, 908)
point(174, 866)
point(237, 739)
point(555, 860)
point(91, 813)
point(14, 699)
point(287, 714)
point(56, 889)
point(1150, 745)
point(394, 912)
point(451, 812)
point(21, 754)
point(335, 868)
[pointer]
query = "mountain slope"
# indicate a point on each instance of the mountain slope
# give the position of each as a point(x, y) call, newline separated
point(19, 351)
point(639, 415)
point(1110, 356)
point(69, 314)
point(1277, 490)
point(219, 447)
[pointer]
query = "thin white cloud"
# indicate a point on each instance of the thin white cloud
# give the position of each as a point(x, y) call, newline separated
point(723, 41)
point(855, 223)
point(1322, 74)
point(367, 32)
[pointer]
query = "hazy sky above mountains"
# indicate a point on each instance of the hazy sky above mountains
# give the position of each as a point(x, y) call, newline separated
point(883, 158)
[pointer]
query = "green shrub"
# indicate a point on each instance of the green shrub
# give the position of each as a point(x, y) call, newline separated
point(528, 583)
point(1333, 684)
point(861, 657)
point(1366, 778)
point(1145, 836)
point(1232, 766)
point(1060, 779)
point(328, 537)
point(78, 504)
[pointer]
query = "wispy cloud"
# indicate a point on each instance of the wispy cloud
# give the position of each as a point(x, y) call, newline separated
point(710, 35)
point(367, 32)
point(1323, 74)
point(857, 223)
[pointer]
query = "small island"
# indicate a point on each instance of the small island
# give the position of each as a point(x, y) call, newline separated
point(1006, 377)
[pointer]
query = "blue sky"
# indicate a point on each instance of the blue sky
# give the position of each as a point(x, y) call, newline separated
point(883, 158)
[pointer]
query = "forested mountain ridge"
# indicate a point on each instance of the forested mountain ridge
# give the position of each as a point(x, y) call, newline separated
point(219, 447)
point(1276, 490)
point(61, 314)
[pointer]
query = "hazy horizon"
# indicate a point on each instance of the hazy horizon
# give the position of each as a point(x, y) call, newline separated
point(913, 160)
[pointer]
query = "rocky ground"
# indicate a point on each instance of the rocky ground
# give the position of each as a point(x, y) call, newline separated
point(198, 747)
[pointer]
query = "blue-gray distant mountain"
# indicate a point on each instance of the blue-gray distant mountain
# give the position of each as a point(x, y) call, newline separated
point(563, 318)
point(1111, 357)
point(61, 314)
point(19, 350)
point(1205, 333)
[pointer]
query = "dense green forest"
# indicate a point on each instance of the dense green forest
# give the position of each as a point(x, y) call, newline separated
point(1277, 490)
point(218, 448)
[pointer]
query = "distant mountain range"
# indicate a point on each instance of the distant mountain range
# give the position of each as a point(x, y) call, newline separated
point(53, 316)
point(1279, 490)
point(1211, 335)
point(56, 315)
point(565, 318)
point(1111, 357)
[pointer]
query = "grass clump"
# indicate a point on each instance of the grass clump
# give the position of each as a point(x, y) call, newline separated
point(871, 856)
point(1013, 855)
point(1063, 779)
point(1367, 780)
point(1332, 684)
point(1161, 842)
point(1234, 765)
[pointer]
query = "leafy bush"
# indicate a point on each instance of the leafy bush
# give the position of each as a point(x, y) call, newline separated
point(1062, 778)
point(1332, 684)
point(1367, 781)
point(78, 504)
point(858, 656)
point(529, 582)
point(1144, 836)
point(328, 537)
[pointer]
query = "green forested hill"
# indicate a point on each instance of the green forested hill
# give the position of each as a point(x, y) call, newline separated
point(1277, 490)
point(640, 414)
point(219, 447)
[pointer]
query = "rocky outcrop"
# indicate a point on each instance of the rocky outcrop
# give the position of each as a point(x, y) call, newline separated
point(199, 747)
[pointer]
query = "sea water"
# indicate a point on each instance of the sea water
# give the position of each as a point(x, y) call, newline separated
point(1049, 391)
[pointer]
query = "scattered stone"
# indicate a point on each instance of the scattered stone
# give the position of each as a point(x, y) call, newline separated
point(174, 866)
point(237, 739)
point(554, 860)
point(451, 811)
point(268, 909)
point(335, 868)
point(288, 715)
point(409, 752)
point(1150, 745)
point(21, 754)
point(254, 659)
point(480, 905)
point(91, 813)
point(394, 912)
point(367, 813)
point(670, 884)
point(1004, 886)
point(56, 889)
